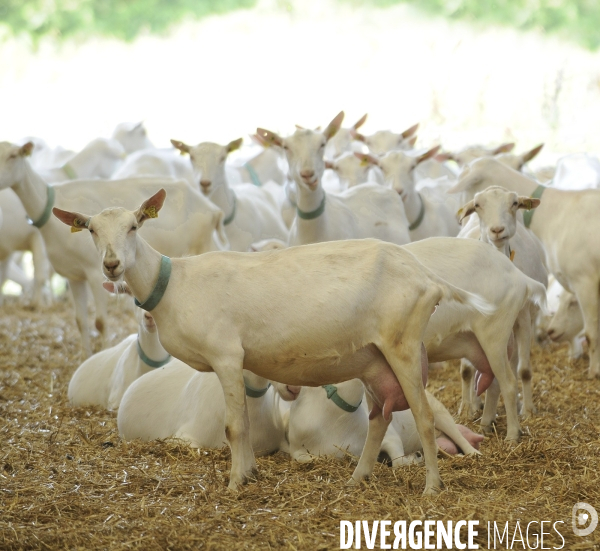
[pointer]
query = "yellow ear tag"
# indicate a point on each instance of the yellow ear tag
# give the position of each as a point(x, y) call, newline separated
point(528, 204)
point(364, 162)
point(150, 212)
point(512, 256)
point(78, 225)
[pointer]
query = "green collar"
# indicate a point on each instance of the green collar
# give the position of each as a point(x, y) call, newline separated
point(338, 400)
point(419, 219)
point(69, 171)
point(313, 214)
point(159, 289)
point(255, 392)
point(528, 215)
point(47, 210)
point(253, 176)
point(230, 218)
point(147, 360)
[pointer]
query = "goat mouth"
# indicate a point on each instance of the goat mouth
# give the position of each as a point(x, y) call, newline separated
point(312, 184)
point(113, 277)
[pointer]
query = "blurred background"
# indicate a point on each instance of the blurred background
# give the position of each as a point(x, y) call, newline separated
point(467, 71)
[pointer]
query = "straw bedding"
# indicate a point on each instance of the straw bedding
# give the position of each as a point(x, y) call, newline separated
point(68, 481)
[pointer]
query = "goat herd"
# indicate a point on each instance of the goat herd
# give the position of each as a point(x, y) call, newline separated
point(326, 268)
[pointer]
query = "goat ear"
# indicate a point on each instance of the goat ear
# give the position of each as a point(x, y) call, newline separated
point(532, 153)
point(26, 149)
point(235, 144)
point(150, 207)
point(366, 159)
point(269, 137)
point(428, 154)
point(181, 146)
point(334, 126)
point(359, 122)
point(410, 131)
point(411, 141)
point(357, 136)
point(76, 220)
point(465, 210)
point(116, 289)
point(138, 125)
point(504, 148)
point(528, 203)
point(444, 156)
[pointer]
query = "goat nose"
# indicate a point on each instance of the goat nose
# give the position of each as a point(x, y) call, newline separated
point(205, 183)
point(111, 264)
point(497, 229)
point(307, 174)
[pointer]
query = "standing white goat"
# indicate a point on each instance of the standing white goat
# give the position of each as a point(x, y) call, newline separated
point(494, 221)
point(192, 224)
point(568, 226)
point(367, 210)
point(429, 215)
point(262, 320)
point(250, 211)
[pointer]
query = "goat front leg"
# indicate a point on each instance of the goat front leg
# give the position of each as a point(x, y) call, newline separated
point(79, 290)
point(522, 331)
point(237, 422)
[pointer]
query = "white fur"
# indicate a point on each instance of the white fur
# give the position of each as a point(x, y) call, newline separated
point(189, 225)
point(568, 226)
point(225, 312)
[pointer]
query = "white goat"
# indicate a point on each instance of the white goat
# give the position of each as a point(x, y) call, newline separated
point(367, 210)
point(568, 226)
point(517, 162)
point(179, 402)
point(343, 141)
point(351, 170)
point(263, 321)
point(132, 136)
point(17, 235)
point(493, 220)
point(98, 159)
point(473, 152)
point(342, 410)
point(383, 141)
point(250, 211)
point(102, 379)
point(455, 332)
point(156, 162)
point(429, 215)
point(188, 228)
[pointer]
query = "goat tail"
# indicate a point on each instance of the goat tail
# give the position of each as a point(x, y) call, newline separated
point(452, 293)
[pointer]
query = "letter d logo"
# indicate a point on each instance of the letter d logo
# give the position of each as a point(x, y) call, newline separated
point(580, 519)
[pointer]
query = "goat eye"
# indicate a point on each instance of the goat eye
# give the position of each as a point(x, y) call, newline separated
point(515, 204)
point(476, 205)
point(133, 228)
point(92, 231)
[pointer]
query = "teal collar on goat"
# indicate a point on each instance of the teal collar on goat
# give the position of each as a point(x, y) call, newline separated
point(147, 360)
point(230, 218)
point(159, 289)
point(333, 395)
point(419, 219)
point(255, 392)
point(253, 176)
point(528, 215)
point(47, 210)
point(313, 214)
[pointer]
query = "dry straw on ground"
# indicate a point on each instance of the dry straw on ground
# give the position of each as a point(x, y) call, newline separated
point(67, 481)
